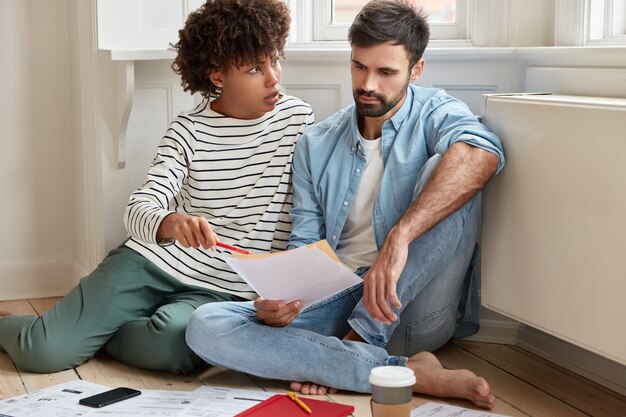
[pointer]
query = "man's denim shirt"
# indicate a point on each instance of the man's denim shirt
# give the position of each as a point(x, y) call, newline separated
point(329, 160)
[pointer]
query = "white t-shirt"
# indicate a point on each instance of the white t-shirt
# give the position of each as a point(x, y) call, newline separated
point(357, 243)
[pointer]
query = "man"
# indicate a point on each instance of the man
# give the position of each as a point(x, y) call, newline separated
point(221, 174)
point(391, 182)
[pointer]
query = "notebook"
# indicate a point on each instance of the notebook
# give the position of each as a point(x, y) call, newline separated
point(283, 406)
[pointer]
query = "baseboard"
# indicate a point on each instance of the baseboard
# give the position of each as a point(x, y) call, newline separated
point(36, 279)
point(599, 369)
point(496, 331)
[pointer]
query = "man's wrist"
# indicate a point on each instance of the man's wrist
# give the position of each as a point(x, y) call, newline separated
point(398, 236)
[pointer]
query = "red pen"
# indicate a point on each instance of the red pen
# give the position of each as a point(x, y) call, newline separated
point(233, 249)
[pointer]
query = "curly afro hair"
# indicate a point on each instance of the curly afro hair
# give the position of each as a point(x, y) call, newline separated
point(223, 33)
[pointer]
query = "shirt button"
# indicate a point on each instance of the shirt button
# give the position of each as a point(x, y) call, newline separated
point(345, 203)
point(334, 237)
point(358, 170)
point(352, 149)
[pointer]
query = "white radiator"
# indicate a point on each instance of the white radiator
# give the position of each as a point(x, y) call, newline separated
point(554, 221)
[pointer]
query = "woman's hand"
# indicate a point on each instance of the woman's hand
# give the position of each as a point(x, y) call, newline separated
point(189, 231)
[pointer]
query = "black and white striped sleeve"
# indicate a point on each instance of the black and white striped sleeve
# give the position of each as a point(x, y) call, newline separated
point(149, 205)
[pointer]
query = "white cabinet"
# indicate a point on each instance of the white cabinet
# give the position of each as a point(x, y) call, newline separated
point(554, 221)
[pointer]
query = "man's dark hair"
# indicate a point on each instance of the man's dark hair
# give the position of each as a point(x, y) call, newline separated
point(222, 33)
point(396, 21)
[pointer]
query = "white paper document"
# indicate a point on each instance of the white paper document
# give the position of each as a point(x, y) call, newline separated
point(62, 401)
point(223, 402)
point(307, 273)
point(445, 410)
point(56, 401)
point(151, 403)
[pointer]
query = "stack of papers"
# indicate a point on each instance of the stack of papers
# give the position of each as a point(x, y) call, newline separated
point(310, 273)
point(62, 401)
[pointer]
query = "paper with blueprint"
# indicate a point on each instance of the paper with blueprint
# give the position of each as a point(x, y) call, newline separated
point(310, 273)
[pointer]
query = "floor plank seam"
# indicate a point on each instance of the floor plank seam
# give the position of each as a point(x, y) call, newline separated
point(529, 383)
point(556, 398)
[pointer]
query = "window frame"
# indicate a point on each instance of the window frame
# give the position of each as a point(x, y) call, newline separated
point(610, 16)
point(325, 30)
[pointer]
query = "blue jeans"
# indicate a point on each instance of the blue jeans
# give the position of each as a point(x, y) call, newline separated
point(310, 348)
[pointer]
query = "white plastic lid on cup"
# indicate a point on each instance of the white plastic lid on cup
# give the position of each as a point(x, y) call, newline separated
point(392, 376)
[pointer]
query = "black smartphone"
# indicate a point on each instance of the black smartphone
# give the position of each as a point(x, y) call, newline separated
point(109, 397)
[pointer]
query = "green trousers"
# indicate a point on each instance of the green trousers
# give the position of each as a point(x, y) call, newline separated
point(127, 304)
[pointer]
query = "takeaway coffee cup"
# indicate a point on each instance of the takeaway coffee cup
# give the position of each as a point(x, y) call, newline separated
point(392, 391)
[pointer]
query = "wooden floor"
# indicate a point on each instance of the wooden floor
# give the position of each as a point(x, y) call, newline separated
point(525, 385)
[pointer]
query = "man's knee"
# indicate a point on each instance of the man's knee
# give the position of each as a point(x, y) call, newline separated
point(423, 334)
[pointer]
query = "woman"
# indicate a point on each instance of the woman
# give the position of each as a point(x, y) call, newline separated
point(222, 173)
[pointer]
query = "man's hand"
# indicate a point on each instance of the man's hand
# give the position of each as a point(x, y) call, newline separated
point(379, 288)
point(277, 313)
point(189, 231)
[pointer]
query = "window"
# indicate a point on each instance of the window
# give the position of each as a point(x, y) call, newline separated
point(438, 11)
point(448, 18)
point(607, 21)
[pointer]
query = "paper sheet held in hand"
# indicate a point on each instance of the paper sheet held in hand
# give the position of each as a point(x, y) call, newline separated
point(309, 273)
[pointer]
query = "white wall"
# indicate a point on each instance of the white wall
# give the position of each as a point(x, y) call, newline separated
point(37, 154)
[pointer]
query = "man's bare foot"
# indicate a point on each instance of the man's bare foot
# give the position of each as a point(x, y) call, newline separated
point(309, 388)
point(434, 379)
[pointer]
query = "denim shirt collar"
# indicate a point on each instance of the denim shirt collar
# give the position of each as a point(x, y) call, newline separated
point(398, 118)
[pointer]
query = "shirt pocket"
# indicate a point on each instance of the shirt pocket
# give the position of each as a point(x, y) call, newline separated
point(403, 180)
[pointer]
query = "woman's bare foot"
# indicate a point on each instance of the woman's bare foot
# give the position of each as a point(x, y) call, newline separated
point(433, 379)
point(354, 336)
point(309, 388)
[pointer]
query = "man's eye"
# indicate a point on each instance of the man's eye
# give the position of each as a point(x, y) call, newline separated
point(254, 70)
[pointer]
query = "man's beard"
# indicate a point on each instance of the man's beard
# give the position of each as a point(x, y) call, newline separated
point(373, 110)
